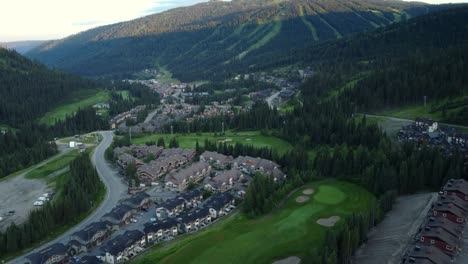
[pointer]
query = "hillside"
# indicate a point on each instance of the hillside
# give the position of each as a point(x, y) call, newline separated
point(28, 89)
point(193, 41)
point(22, 46)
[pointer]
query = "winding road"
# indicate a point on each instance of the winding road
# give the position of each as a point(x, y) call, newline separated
point(115, 190)
point(409, 120)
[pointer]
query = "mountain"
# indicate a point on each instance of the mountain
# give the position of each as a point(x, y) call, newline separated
point(22, 46)
point(215, 38)
point(29, 89)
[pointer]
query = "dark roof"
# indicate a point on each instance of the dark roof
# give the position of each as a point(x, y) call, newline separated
point(432, 254)
point(118, 212)
point(43, 255)
point(190, 195)
point(440, 234)
point(219, 201)
point(121, 242)
point(88, 260)
point(136, 199)
point(89, 231)
point(194, 215)
point(160, 225)
point(457, 186)
point(450, 208)
point(444, 223)
point(457, 201)
point(172, 204)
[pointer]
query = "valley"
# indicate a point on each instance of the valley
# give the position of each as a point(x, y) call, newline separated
point(263, 131)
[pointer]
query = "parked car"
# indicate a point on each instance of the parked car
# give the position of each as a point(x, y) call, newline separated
point(133, 220)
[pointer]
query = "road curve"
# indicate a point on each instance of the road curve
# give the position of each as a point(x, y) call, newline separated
point(115, 190)
point(409, 120)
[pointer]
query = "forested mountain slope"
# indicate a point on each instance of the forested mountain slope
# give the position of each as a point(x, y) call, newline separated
point(397, 66)
point(194, 41)
point(29, 89)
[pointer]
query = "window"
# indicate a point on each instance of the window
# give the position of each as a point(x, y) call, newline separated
point(460, 220)
point(449, 247)
point(444, 215)
point(432, 241)
point(422, 239)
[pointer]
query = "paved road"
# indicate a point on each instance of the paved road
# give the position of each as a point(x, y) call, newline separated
point(409, 120)
point(270, 99)
point(116, 190)
point(151, 115)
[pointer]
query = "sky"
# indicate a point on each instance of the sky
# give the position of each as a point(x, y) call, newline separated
point(53, 19)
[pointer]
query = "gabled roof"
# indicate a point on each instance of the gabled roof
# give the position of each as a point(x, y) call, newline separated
point(42, 256)
point(90, 230)
point(184, 174)
point(160, 225)
point(172, 204)
point(456, 186)
point(215, 156)
point(444, 223)
point(430, 254)
point(88, 260)
point(118, 212)
point(121, 242)
point(450, 208)
point(194, 215)
point(136, 199)
point(440, 234)
point(219, 201)
point(457, 201)
point(190, 195)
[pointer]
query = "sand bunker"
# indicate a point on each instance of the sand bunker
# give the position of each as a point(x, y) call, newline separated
point(226, 140)
point(302, 199)
point(248, 139)
point(290, 260)
point(328, 222)
point(308, 191)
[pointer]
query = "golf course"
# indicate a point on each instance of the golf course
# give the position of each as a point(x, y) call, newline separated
point(292, 230)
point(254, 138)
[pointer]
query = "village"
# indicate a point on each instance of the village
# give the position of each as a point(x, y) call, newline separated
point(179, 193)
point(443, 233)
point(425, 131)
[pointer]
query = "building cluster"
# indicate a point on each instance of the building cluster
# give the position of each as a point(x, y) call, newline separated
point(188, 212)
point(440, 237)
point(131, 114)
point(174, 167)
point(213, 110)
point(428, 131)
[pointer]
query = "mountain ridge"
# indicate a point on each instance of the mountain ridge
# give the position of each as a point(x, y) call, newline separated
point(217, 34)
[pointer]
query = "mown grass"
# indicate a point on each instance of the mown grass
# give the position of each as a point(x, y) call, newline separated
point(290, 231)
point(81, 99)
point(254, 138)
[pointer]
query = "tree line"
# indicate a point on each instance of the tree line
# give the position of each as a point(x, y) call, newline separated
point(80, 193)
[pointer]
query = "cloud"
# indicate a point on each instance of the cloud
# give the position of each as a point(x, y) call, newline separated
point(51, 19)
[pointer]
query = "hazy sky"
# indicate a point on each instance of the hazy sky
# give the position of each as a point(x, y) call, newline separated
point(51, 19)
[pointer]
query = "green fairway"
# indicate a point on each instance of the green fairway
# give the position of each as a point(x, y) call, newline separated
point(78, 100)
point(290, 231)
point(254, 138)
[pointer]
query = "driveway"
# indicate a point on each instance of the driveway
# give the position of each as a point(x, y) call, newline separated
point(115, 187)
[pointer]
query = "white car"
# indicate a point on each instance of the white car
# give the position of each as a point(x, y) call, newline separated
point(153, 219)
point(133, 220)
point(43, 199)
point(38, 203)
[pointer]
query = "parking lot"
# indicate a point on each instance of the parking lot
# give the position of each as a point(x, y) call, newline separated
point(388, 240)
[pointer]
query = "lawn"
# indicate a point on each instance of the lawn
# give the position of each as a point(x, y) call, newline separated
point(411, 112)
point(254, 138)
point(291, 231)
point(79, 99)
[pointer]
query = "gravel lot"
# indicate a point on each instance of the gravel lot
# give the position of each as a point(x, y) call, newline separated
point(388, 240)
point(19, 194)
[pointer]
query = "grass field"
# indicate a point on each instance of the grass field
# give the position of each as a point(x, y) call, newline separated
point(254, 138)
point(411, 112)
point(80, 99)
point(290, 231)
point(59, 163)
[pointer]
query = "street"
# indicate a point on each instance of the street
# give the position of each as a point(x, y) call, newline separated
point(116, 190)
